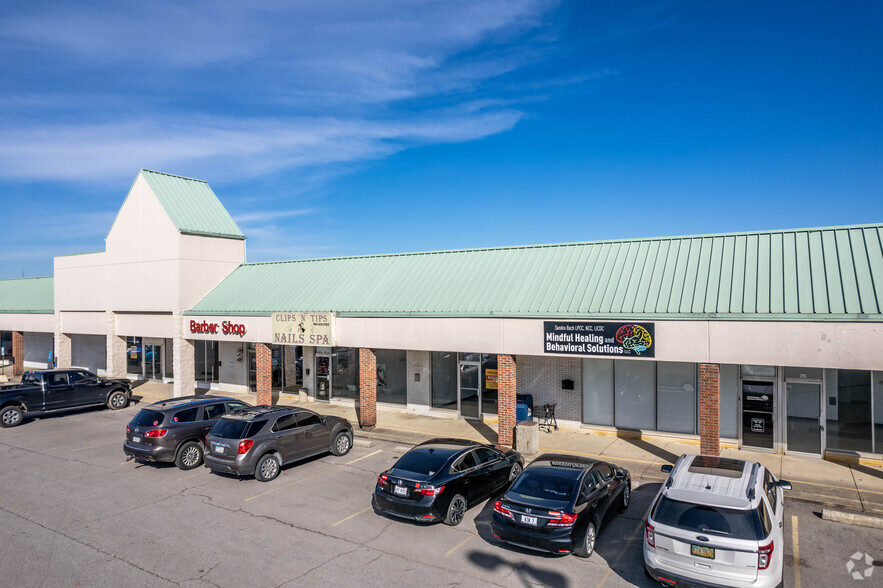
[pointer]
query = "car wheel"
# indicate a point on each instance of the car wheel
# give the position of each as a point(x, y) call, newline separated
point(117, 401)
point(189, 456)
point(456, 510)
point(342, 444)
point(11, 416)
point(515, 471)
point(267, 468)
point(626, 496)
point(587, 546)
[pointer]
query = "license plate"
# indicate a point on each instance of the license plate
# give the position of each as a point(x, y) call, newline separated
point(136, 439)
point(400, 490)
point(702, 551)
point(219, 449)
point(528, 520)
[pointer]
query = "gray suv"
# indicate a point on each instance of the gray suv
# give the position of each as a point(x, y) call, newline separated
point(173, 430)
point(260, 440)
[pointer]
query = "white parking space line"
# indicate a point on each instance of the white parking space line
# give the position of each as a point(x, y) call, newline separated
point(460, 544)
point(352, 516)
point(296, 482)
point(795, 548)
point(363, 457)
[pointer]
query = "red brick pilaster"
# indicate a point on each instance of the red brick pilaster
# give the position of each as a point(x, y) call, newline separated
point(367, 388)
point(506, 399)
point(709, 409)
point(264, 383)
point(18, 353)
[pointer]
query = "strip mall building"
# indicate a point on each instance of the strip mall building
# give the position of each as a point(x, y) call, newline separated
point(770, 340)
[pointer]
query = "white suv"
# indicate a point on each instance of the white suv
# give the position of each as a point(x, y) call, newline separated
point(716, 522)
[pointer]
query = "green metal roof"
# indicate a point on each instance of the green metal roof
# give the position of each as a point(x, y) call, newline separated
point(27, 296)
point(833, 273)
point(192, 206)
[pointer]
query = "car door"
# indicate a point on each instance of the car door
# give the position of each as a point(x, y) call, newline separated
point(316, 437)
point(470, 480)
point(59, 393)
point(491, 474)
point(289, 437)
point(87, 388)
point(775, 498)
point(211, 413)
point(604, 488)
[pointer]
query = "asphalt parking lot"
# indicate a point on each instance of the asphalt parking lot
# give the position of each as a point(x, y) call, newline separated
point(75, 513)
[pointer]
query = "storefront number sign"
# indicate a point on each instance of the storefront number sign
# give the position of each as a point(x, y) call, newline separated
point(312, 329)
point(611, 339)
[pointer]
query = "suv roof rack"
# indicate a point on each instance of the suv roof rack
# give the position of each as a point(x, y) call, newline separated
point(752, 480)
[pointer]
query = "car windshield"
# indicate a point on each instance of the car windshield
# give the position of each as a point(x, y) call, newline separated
point(544, 485)
point(147, 418)
point(710, 520)
point(421, 461)
point(230, 428)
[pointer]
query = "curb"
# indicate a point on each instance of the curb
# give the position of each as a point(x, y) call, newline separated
point(849, 518)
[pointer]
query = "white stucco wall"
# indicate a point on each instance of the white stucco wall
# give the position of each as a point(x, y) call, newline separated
point(34, 323)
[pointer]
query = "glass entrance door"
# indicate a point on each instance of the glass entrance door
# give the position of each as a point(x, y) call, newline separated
point(804, 418)
point(153, 360)
point(323, 377)
point(758, 408)
point(470, 389)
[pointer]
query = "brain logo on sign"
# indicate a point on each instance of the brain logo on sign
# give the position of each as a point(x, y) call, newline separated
point(634, 337)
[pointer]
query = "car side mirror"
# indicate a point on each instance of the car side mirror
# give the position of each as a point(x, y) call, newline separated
point(784, 484)
point(619, 476)
point(666, 468)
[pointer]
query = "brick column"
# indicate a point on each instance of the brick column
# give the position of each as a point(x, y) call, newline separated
point(367, 388)
point(709, 409)
point(18, 353)
point(506, 390)
point(263, 360)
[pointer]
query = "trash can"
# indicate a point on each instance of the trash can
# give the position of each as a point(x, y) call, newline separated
point(523, 412)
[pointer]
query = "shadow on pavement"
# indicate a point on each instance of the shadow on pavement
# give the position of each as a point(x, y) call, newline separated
point(650, 448)
point(484, 430)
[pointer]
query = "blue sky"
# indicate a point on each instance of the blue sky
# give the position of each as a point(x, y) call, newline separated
point(345, 127)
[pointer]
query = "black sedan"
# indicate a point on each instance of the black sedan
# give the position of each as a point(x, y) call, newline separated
point(559, 503)
point(441, 478)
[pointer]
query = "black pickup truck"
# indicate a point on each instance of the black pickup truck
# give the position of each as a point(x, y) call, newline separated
point(45, 391)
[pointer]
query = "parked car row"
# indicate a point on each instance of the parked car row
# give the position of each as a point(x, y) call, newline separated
point(715, 521)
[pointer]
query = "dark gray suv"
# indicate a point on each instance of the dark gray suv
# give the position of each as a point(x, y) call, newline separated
point(173, 430)
point(260, 440)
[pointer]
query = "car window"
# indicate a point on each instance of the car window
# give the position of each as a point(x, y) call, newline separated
point(255, 427)
point(700, 518)
point(464, 463)
point(147, 418)
point(486, 455)
point(213, 411)
point(604, 470)
point(79, 376)
point(57, 379)
point(185, 416)
point(231, 406)
point(769, 486)
point(305, 419)
point(590, 482)
point(285, 423)
point(766, 520)
point(546, 485)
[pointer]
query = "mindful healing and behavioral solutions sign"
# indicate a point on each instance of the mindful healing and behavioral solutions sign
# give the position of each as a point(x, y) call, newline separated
point(311, 329)
point(609, 339)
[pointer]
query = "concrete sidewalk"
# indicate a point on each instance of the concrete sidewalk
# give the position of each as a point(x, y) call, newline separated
point(851, 486)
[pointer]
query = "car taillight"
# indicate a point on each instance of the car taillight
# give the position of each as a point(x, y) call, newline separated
point(498, 507)
point(156, 433)
point(382, 480)
point(561, 519)
point(245, 445)
point(128, 429)
point(651, 535)
point(764, 556)
point(428, 490)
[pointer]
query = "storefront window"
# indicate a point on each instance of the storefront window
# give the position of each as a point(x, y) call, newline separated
point(205, 361)
point(635, 387)
point(344, 373)
point(133, 355)
point(88, 352)
point(729, 401)
point(598, 391)
point(5, 345)
point(676, 397)
point(489, 386)
point(848, 408)
point(767, 371)
point(877, 379)
point(444, 380)
point(392, 376)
